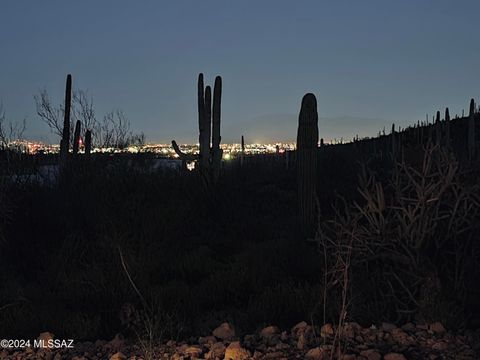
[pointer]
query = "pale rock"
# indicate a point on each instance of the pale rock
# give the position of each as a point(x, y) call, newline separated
point(235, 351)
point(326, 330)
point(299, 328)
point(301, 342)
point(316, 354)
point(117, 356)
point(224, 332)
point(193, 351)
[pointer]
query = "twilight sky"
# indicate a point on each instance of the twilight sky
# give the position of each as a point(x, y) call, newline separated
point(370, 62)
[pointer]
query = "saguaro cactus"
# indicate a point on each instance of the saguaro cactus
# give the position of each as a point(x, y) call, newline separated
point(242, 153)
point(88, 142)
point(65, 142)
point(76, 137)
point(447, 128)
point(471, 130)
point(393, 141)
point(209, 157)
point(438, 130)
point(307, 146)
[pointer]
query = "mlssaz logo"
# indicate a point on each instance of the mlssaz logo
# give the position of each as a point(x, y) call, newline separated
point(53, 343)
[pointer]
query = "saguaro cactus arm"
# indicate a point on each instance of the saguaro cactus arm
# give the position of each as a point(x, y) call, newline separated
point(65, 142)
point(181, 155)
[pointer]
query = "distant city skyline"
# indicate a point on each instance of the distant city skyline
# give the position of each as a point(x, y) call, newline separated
point(369, 63)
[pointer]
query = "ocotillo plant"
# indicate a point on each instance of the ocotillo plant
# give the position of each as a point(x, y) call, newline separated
point(307, 146)
point(76, 137)
point(209, 157)
point(88, 142)
point(65, 142)
point(471, 130)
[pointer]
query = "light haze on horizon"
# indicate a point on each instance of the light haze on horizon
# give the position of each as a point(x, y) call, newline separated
point(370, 63)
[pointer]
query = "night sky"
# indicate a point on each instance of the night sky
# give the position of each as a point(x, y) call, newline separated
point(370, 63)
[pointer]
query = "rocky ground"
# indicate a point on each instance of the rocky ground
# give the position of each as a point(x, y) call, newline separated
point(352, 342)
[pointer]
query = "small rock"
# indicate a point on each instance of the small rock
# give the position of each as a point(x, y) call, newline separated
point(217, 350)
point(117, 356)
point(437, 328)
point(224, 332)
point(326, 330)
point(299, 328)
point(269, 331)
point(235, 352)
point(409, 327)
point(193, 351)
point(371, 354)
point(316, 354)
point(394, 356)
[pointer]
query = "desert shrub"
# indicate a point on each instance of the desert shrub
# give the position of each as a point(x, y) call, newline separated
point(408, 250)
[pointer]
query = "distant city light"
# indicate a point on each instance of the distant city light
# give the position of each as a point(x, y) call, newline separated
point(230, 151)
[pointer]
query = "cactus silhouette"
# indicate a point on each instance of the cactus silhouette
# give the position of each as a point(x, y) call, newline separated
point(471, 130)
point(88, 142)
point(209, 157)
point(76, 137)
point(307, 146)
point(242, 153)
point(447, 127)
point(65, 142)
point(438, 129)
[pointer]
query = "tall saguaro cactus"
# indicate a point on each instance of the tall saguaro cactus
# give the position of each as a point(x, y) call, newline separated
point(65, 142)
point(88, 142)
point(471, 130)
point(307, 146)
point(447, 127)
point(209, 114)
point(76, 137)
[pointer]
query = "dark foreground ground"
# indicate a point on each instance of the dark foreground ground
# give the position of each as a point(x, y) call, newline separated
point(426, 341)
